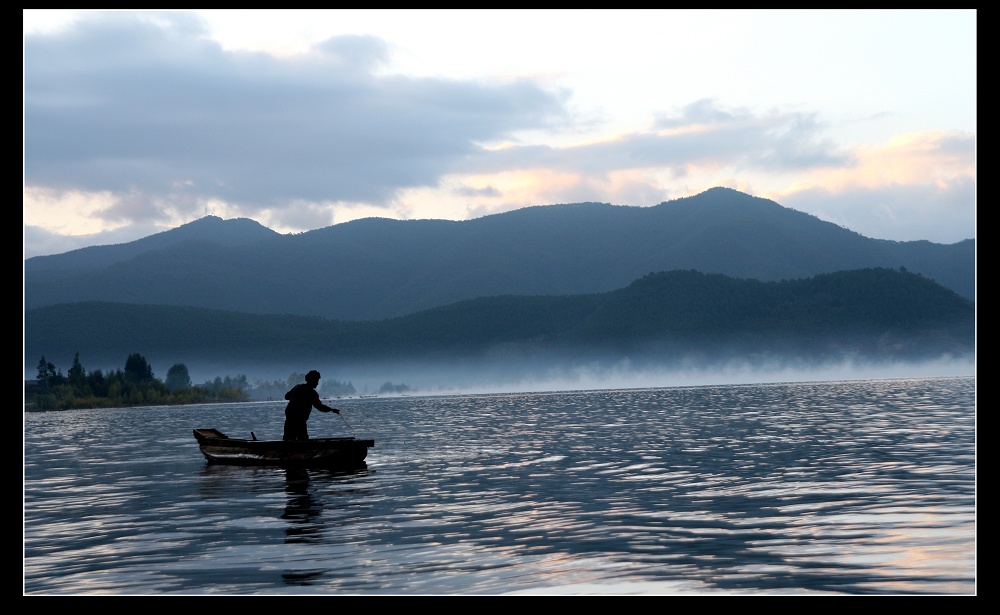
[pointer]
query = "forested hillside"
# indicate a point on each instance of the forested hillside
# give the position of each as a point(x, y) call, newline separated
point(877, 314)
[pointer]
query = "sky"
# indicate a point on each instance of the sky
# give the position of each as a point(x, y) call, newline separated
point(136, 122)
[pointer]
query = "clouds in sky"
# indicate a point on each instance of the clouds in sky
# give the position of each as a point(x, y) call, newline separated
point(138, 122)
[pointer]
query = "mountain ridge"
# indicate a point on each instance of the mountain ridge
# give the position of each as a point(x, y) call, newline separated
point(382, 268)
point(234, 231)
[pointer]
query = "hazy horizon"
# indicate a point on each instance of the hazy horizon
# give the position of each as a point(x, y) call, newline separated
point(429, 378)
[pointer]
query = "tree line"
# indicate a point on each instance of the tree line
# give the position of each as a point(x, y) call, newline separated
point(669, 311)
point(136, 385)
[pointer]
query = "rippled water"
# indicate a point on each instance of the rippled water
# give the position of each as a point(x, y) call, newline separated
point(855, 487)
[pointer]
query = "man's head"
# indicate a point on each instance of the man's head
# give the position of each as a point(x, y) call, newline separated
point(312, 377)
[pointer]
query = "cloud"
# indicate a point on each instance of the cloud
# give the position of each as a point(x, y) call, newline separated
point(705, 142)
point(896, 211)
point(704, 133)
point(147, 104)
point(917, 185)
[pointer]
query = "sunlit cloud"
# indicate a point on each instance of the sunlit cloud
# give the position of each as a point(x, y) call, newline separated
point(914, 158)
point(896, 190)
point(69, 212)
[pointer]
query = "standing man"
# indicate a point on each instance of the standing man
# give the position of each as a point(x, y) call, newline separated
point(301, 400)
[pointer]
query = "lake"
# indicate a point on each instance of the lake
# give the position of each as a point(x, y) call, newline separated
point(855, 487)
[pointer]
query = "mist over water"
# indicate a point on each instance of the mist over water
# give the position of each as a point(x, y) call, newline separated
point(627, 375)
point(545, 374)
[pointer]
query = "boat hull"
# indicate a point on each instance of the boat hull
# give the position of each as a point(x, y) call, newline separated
point(219, 448)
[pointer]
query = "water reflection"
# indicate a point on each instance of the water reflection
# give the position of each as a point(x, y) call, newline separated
point(303, 509)
point(302, 578)
point(852, 488)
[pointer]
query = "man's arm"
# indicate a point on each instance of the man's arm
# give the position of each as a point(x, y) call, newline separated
point(319, 405)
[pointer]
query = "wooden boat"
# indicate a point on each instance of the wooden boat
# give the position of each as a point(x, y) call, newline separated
point(219, 448)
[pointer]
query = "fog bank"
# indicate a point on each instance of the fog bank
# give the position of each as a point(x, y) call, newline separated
point(486, 378)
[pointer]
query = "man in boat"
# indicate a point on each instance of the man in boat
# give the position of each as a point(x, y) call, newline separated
point(301, 400)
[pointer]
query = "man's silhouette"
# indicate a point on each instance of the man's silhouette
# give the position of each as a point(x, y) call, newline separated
point(301, 400)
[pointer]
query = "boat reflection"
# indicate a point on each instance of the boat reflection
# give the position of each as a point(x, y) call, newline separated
point(303, 509)
point(304, 579)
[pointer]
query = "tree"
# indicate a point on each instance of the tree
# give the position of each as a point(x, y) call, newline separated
point(389, 387)
point(137, 369)
point(98, 383)
point(43, 374)
point(76, 375)
point(331, 387)
point(178, 377)
point(47, 375)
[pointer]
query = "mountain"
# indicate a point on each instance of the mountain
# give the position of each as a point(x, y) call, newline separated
point(213, 229)
point(667, 318)
point(378, 268)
